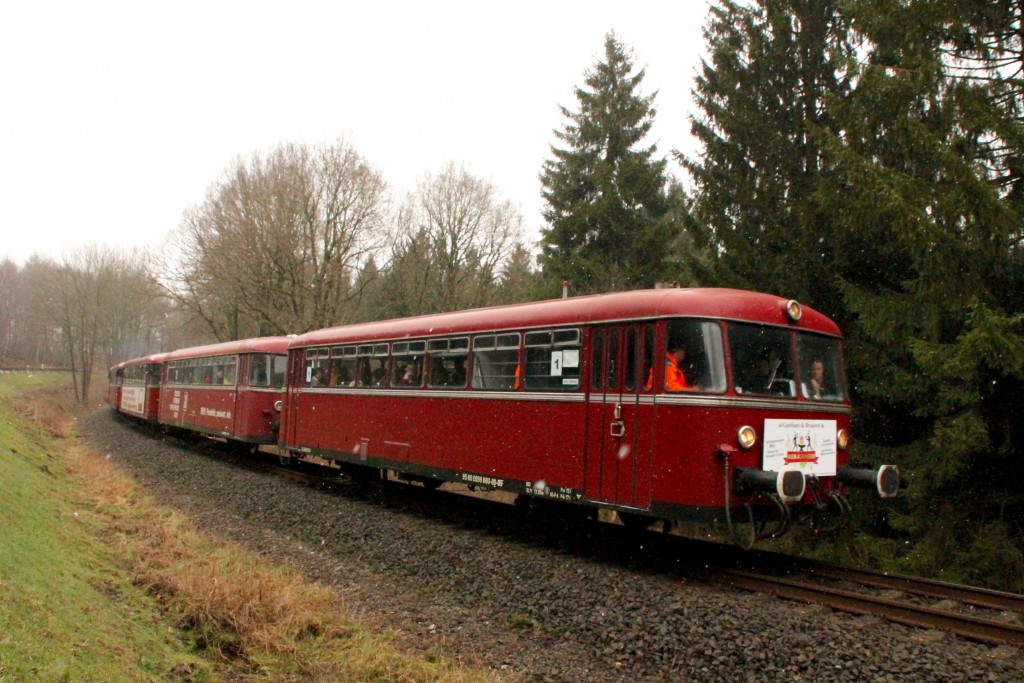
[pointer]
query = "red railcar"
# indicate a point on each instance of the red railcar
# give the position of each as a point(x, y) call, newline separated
point(228, 390)
point(115, 376)
point(576, 400)
point(135, 389)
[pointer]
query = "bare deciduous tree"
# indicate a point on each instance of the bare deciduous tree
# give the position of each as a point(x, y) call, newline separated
point(8, 278)
point(457, 235)
point(37, 338)
point(102, 299)
point(278, 244)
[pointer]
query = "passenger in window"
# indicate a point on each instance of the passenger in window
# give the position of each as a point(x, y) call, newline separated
point(318, 377)
point(378, 377)
point(365, 378)
point(438, 375)
point(458, 375)
point(763, 377)
point(259, 372)
point(764, 371)
point(675, 377)
point(339, 376)
point(411, 378)
point(817, 388)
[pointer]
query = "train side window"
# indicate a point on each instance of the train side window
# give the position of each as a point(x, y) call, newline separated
point(407, 364)
point(279, 369)
point(259, 374)
point(223, 370)
point(552, 360)
point(230, 370)
point(496, 361)
point(317, 366)
point(597, 359)
point(704, 362)
point(343, 366)
point(647, 361)
point(632, 353)
point(378, 365)
point(364, 372)
point(613, 359)
point(448, 359)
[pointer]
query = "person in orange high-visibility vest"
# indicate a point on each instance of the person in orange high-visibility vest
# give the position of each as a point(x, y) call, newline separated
point(675, 379)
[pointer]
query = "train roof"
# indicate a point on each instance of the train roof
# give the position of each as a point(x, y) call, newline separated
point(729, 304)
point(255, 345)
point(143, 360)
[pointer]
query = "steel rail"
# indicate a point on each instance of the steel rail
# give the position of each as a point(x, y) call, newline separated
point(968, 595)
point(968, 626)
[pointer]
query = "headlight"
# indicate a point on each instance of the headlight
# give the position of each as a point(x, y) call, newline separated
point(747, 437)
point(843, 439)
point(794, 310)
point(277, 405)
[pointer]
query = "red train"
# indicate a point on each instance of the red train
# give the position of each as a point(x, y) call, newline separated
point(228, 390)
point(674, 404)
point(135, 386)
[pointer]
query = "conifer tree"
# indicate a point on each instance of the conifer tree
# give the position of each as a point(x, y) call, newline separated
point(764, 96)
point(931, 148)
point(605, 191)
point(883, 185)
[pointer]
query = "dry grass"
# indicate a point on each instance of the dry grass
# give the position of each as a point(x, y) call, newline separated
point(256, 620)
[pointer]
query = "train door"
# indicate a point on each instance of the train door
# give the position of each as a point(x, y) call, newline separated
point(295, 379)
point(154, 376)
point(245, 409)
point(620, 407)
point(188, 410)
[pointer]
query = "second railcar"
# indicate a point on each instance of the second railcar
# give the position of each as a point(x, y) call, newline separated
point(230, 390)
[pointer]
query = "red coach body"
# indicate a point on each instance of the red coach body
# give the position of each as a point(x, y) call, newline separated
point(227, 390)
point(138, 387)
point(571, 399)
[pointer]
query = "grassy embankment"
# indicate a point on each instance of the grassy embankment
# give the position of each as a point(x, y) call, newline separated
point(97, 583)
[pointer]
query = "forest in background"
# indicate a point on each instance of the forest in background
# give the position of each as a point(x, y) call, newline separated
point(865, 157)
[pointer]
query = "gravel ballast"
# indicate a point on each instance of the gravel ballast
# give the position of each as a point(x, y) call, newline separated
point(531, 608)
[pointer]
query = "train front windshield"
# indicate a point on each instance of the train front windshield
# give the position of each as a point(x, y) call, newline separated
point(765, 360)
point(764, 363)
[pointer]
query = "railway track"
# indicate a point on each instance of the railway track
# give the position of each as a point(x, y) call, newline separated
point(978, 614)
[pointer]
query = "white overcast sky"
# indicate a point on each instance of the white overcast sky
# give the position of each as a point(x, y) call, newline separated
point(117, 115)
